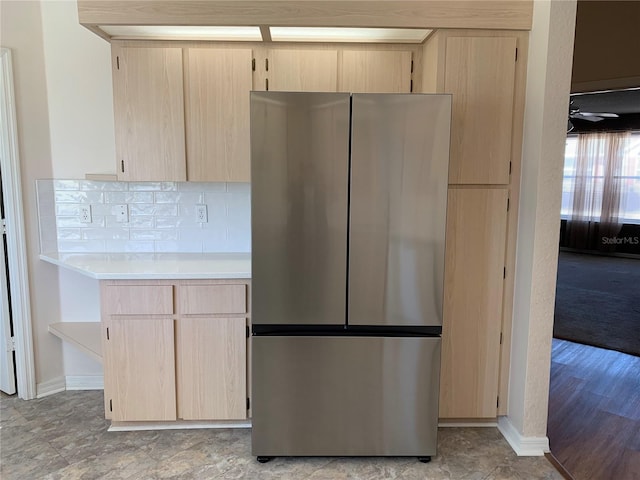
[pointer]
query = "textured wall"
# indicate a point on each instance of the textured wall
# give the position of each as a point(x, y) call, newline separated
point(548, 81)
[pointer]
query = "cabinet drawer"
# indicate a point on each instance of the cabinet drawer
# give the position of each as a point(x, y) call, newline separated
point(213, 299)
point(138, 299)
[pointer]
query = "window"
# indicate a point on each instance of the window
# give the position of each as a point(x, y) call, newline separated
point(629, 176)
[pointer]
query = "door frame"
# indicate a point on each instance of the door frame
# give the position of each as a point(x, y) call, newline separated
point(16, 238)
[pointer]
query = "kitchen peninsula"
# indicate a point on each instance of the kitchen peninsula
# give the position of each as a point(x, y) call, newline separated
point(173, 336)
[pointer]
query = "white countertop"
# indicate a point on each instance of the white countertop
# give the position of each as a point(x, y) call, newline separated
point(170, 266)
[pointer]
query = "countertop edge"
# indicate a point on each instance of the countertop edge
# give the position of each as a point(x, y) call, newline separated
point(68, 266)
point(88, 272)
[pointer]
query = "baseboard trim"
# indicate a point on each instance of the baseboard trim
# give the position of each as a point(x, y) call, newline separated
point(55, 385)
point(84, 382)
point(523, 446)
point(177, 425)
point(467, 424)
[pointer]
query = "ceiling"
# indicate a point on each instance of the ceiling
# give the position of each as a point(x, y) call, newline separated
point(617, 101)
point(624, 103)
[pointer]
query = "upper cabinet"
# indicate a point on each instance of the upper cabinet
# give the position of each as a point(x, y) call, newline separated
point(480, 73)
point(182, 110)
point(303, 70)
point(375, 71)
point(156, 111)
point(345, 70)
point(479, 70)
point(149, 113)
point(217, 86)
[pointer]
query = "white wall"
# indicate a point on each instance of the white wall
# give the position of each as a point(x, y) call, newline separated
point(80, 93)
point(548, 82)
point(64, 104)
point(21, 31)
point(78, 72)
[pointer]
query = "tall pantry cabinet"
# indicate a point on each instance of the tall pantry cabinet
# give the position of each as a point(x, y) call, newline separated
point(484, 71)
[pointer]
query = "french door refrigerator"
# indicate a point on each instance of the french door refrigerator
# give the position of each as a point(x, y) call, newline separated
point(348, 208)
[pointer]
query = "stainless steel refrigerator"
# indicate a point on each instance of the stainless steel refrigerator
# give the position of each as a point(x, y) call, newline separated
point(348, 212)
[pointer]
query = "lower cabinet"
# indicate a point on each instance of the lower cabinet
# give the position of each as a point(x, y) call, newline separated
point(474, 279)
point(212, 368)
point(175, 350)
point(141, 372)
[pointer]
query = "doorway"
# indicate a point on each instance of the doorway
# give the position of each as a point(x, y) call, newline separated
point(17, 344)
point(7, 362)
point(594, 397)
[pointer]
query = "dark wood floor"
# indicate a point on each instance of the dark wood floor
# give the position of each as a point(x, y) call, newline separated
point(594, 412)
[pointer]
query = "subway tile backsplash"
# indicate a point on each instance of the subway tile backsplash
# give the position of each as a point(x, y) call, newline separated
point(162, 217)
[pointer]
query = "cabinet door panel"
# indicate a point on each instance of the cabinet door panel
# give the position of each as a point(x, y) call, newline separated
point(375, 71)
point(480, 73)
point(212, 368)
point(474, 262)
point(149, 114)
point(303, 70)
point(142, 369)
point(217, 98)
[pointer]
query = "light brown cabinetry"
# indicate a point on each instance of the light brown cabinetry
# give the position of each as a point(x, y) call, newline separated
point(182, 109)
point(486, 79)
point(149, 113)
point(480, 72)
point(211, 351)
point(303, 70)
point(174, 130)
point(218, 82)
point(139, 362)
point(353, 70)
point(175, 350)
point(141, 369)
point(375, 71)
point(476, 235)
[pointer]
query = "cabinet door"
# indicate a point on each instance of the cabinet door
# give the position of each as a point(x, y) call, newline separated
point(212, 368)
point(480, 73)
point(303, 70)
point(474, 263)
point(141, 369)
point(217, 114)
point(149, 114)
point(375, 71)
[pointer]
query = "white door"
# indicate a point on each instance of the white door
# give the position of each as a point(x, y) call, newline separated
point(7, 377)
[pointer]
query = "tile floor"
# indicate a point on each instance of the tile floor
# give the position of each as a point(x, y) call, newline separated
point(64, 436)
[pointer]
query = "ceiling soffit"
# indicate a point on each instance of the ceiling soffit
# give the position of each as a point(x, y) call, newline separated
point(468, 14)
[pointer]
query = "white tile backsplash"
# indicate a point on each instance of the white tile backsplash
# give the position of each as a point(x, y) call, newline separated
point(162, 217)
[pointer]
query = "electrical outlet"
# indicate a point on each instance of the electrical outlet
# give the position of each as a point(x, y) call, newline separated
point(122, 213)
point(201, 214)
point(85, 213)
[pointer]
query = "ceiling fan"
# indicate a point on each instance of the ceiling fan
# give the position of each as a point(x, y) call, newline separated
point(574, 112)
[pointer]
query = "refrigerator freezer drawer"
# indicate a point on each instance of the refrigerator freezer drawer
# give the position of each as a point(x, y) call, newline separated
point(345, 395)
